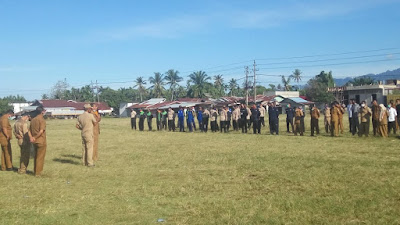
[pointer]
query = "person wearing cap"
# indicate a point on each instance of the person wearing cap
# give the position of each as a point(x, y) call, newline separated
point(223, 119)
point(181, 119)
point(5, 137)
point(133, 119)
point(327, 118)
point(298, 114)
point(171, 119)
point(142, 116)
point(38, 138)
point(206, 116)
point(314, 120)
point(85, 123)
point(365, 115)
point(96, 131)
point(21, 132)
point(149, 116)
point(228, 118)
point(289, 118)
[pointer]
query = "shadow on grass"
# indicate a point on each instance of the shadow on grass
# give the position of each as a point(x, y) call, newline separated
point(69, 161)
point(71, 156)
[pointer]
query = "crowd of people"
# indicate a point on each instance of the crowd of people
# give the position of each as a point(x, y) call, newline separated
point(243, 118)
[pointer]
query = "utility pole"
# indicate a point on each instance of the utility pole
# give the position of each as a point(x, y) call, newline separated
point(254, 81)
point(246, 70)
point(97, 90)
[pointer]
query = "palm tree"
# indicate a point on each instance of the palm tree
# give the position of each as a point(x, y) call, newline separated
point(172, 79)
point(286, 83)
point(232, 85)
point(199, 82)
point(139, 83)
point(296, 75)
point(272, 86)
point(219, 84)
point(157, 84)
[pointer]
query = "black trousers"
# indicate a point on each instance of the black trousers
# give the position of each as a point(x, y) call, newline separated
point(171, 125)
point(256, 126)
point(364, 129)
point(214, 126)
point(150, 124)
point(262, 121)
point(235, 125)
point(375, 127)
point(133, 123)
point(248, 124)
point(243, 124)
point(274, 127)
point(141, 124)
point(355, 124)
point(289, 121)
point(392, 125)
point(222, 125)
point(205, 124)
point(350, 124)
point(164, 124)
point(159, 125)
point(314, 126)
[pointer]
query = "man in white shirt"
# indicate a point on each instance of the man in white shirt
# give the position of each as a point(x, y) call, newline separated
point(349, 112)
point(392, 118)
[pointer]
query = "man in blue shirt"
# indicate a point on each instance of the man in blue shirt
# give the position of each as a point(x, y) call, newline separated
point(200, 118)
point(189, 119)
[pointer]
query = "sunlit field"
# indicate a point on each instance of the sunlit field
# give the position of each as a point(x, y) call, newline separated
point(213, 178)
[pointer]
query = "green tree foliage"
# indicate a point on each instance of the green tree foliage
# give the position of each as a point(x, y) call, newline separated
point(157, 87)
point(317, 88)
point(15, 99)
point(359, 81)
point(272, 87)
point(233, 85)
point(139, 84)
point(172, 79)
point(83, 94)
point(286, 83)
point(198, 84)
point(296, 75)
point(4, 106)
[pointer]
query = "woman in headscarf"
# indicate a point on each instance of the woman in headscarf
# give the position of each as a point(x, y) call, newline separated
point(383, 121)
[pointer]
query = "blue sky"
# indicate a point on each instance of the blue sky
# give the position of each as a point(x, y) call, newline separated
point(42, 42)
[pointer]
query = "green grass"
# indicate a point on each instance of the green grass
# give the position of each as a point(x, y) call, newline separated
point(196, 178)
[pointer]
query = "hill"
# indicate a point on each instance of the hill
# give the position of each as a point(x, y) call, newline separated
point(388, 75)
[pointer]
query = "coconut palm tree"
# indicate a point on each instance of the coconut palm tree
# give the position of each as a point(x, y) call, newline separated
point(232, 85)
point(296, 75)
point(219, 84)
point(139, 83)
point(272, 87)
point(157, 84)
point(286, 83)
point(199, 81)
point(172, 79)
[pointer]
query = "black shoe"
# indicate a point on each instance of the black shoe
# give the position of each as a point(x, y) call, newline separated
point(9, 169)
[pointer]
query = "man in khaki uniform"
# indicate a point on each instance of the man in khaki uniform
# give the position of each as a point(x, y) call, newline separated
point(171, 119)
point(5, 137)
point(133, 119)
point(248, 121)
point(335, 114)
point(96, 131)
point(314, 120)
point(235, 118)
point(206, 116)
point(85, 123)
point(21, 132)
point(341, 125)
point(213, 119)
point(376, 112)
point(38, 138)
point(365, 115)
point(223, 119)
point(262, 115)
point(298, 114)
point(327, 118)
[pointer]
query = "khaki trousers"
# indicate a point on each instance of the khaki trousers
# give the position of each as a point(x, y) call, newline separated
point(341, 125)
point(335, 128)
point(383, 130)
point(25, 155)
point(40, 153)
point(6, 155)
point(87, 150)
point(95, 145)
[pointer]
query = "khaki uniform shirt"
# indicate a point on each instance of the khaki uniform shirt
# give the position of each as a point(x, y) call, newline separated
point(365, 114)
point(335, 113)
point(5, 123)
point(214, 115)
point(248, 113)
point(133, 114)
point(384, 119)
point(206, 112)
point(315, 113)
point(96, 126)
point(262, 111)
point(235, 115)
point(21, 132)
point(171, 114)
point(86, 122)
point(297, 116)
point(223, 115)
point(376, 112)
point(38, 123)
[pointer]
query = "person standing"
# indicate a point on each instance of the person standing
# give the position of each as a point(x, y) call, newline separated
point(262, 115)
point(189, 119)
point(243, 116)
point(365, 115)
point(142, 116)
point(392, 118)
point(355, 108)
point(38, 138)
point(315, 114)
point(213, 119)
point(398, 113)
point(171, 119)
point(200, 118)
point(86, 123)
point(158, 119)
point(164, 119)
point(303, 125)
point(289, 118)
point(383, 121)
point(327, 118)
point(228, 118)
point(341, 115)
point(248, 117)
point(274, 117)
point(133, 119)
point(206, 116)
point(21, 132)
point(335, 114)
point(223, 119)
point(255, 117)
point(297, 121)
point(349, 112)
point(181, 119)
point(235, 118)
point(149, 116)
point(5, 137)
point(376, 112)
point(96, 131)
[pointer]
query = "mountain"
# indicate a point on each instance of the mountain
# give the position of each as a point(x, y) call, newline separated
point(388, 75)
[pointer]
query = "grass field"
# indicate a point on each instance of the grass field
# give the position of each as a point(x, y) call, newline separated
point(196, 178)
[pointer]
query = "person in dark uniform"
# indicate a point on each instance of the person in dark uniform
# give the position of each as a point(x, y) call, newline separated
point(181, 119)
point(376, 111)
point(315, 114)
point(158, 119)
point(228, 119)
point(164, 120)
point(274, 117)
point(243, 120)
point(255, 118)
point(355, 108)
point(189, 119)
point(142, 116)
point(149, 120)
point(289, 118)
point(200, 118)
